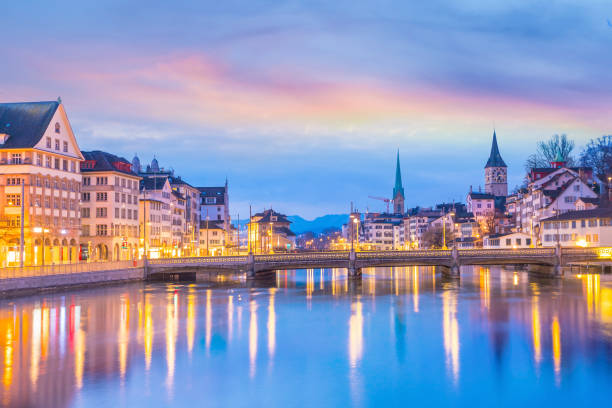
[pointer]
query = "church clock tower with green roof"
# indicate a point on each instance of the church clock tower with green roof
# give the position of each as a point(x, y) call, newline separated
point(398, 190)
point(496, 174)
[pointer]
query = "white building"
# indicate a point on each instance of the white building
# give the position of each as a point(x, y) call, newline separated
point(514, 240)
point(588, 228)
point(155, 217)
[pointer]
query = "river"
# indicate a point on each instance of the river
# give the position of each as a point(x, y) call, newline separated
point(400, 336)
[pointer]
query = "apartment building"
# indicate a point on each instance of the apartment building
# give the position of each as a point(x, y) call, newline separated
point(40, 184)
point(109, 208)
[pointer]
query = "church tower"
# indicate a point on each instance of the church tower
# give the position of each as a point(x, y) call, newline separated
point(496, 175)
point(398, 190)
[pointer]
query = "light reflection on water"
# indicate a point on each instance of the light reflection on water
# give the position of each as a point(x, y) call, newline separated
point(313, 337)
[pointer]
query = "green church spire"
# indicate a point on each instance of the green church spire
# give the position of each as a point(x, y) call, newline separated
point(398, 189)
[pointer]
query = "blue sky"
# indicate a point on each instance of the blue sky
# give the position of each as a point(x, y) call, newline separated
point(302, 104)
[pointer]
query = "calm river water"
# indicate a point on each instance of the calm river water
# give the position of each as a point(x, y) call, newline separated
point(402, 336)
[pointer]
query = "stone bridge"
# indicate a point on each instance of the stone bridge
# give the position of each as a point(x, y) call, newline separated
point(546, 260)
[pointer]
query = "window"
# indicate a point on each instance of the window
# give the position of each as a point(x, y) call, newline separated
point(518, 241)
point(85, 212)
point(595, 237)
point(116, 212)
point(14, 222)
point(129, 214)
point(72, 167)
point(527, 241)
point(123, 213)
point(101, 181)
point(47, 202)
point(123, 198)
point(478, 205)
point(13, 200)
point(65, 165)
point(48, 161)
point(588, 238)
point(86, 181)
point(16, 158)
point(13, 181)
point(86, 197)
point(57, 144)
point(57, 129)
point(573, 224)
point(48, 143)
point(508, 242)
point(593, 223)
point(101, 212)
point(210, 200)
point(122, 182)
point(85, 230)
point(101, 230)
point(56, 203)
point(66, 147)
point(39, 159)
point(64, 204)
point(101, 196)
point(57, 164)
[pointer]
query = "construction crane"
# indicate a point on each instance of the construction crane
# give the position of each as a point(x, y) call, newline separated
point(386, 200)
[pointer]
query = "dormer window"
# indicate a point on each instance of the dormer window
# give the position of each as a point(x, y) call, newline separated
point(3, 138)
point(57, 127)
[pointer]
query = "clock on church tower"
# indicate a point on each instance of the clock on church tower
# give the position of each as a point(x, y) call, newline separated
point(496, 176)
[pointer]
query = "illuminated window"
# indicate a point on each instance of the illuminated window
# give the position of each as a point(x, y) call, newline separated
point(13, 200)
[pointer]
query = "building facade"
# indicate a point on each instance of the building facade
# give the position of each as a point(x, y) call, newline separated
point(40, 184)
point(269, 232)
point(109, 208)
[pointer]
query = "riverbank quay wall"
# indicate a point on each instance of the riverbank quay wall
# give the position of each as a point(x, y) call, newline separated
point(18, 280)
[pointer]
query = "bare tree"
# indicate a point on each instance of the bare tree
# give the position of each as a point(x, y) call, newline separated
point(546, 152)
point(598, 155)
point(433, 237)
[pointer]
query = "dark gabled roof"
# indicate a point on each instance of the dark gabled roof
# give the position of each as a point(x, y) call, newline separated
point(178, 180)
point(495, 159)
point(284, 230)
point(481, 196)
point(25, 122)
point(152, 183)
point(580, 215)
point(178, 195)
point(267, 214)
point(212, 224)
point(104, 162)
point(212, 192)
point(589, 200)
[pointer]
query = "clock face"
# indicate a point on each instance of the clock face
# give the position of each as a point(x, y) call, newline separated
point(496, 175)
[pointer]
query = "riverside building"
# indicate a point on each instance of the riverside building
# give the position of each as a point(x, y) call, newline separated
point(109, 208)
point(40, 184)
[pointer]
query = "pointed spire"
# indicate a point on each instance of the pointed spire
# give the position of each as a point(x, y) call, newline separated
point(495, 159)
point(398, 188)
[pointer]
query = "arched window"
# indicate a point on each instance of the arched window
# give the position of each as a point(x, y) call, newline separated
point(57, 127)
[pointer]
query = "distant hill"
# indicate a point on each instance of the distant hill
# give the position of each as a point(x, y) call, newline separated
point(300, 225)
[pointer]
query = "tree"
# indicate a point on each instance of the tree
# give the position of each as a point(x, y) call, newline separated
point(597, 154)
point(433, 237)
point(546, 152)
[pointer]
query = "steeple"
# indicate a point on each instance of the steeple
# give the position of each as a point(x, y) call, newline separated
point(559, 161)
point(398, 178)
point(398, 189)
point(495, 159)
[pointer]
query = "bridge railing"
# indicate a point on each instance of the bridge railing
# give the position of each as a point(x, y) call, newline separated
point(507, 252)
point(199, 260)
point(403, 254)
point(307, 256)
point(64, 269)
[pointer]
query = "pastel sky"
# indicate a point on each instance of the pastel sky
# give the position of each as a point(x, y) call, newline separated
point(302, 105)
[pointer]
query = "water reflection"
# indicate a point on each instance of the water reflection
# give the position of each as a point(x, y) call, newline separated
point(450, 326)
point(378, 336)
